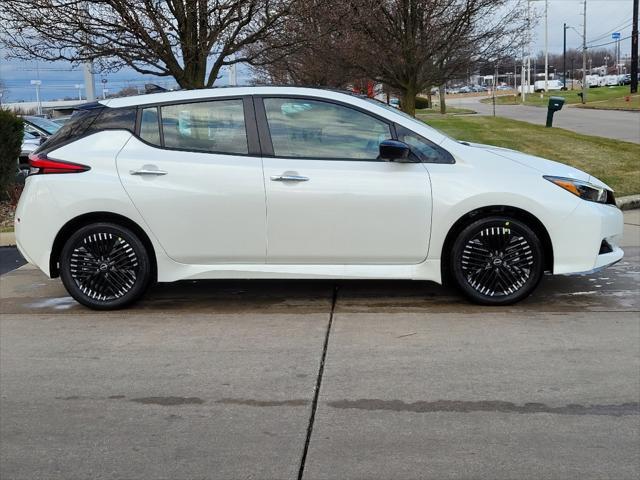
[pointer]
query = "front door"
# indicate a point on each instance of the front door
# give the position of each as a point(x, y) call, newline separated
point(329, 199)
point(191, 177)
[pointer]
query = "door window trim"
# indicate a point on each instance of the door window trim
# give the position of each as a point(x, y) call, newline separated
point(265, 133)
point(250, 126)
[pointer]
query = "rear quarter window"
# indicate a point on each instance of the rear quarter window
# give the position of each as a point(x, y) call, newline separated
point(90, 119)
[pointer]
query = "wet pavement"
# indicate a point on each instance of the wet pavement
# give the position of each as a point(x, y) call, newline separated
point(218, 379)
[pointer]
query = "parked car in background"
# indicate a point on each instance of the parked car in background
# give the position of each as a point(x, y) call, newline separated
point(539, 85)
point(61, 120)
point(284, 182)
point(39, 126)
point(29, 144)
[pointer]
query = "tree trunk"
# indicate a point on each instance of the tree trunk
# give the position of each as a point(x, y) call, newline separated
point(408, 104)
point(429, 99)
point(443, 105)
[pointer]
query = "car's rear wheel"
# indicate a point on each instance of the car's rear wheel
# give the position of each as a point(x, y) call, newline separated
point(105, 266)
point(497, 261)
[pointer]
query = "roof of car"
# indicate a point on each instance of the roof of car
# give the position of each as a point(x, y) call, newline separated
point(179, 95)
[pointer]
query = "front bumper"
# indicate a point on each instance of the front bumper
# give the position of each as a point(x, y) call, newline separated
point(578, 241)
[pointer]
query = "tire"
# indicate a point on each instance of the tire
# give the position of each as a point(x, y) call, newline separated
point(497, 261)
point(105, 266)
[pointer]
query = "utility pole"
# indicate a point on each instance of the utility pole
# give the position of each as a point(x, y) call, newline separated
point(89, 81)
point(584, 54)
point(546, 45)
point(573, 70)
point(37, 84)
point(634, 49)
point(564, 57)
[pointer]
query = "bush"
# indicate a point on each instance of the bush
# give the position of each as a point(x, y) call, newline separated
point(11, 132)
point(421, 103)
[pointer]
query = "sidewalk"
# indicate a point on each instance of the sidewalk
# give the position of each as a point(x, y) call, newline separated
point(614, 124)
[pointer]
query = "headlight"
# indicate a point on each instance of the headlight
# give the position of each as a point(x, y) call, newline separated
point(584, 190)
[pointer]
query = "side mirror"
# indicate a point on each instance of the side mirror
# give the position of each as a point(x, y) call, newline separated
point(395, 151)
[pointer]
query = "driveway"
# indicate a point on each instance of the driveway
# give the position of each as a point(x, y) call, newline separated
point(613, 124)
point(218, 380)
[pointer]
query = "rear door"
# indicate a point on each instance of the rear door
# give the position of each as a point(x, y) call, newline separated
point(330, 200)
point(195, 174)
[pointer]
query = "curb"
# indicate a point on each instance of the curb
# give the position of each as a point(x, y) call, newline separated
point(629, 202)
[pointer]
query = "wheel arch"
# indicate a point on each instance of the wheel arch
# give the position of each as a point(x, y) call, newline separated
point(94, 217)
point(483, 212)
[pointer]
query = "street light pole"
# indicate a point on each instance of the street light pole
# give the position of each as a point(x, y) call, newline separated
point(546, 45)
point(37, 83)
point(564, 57)
point(584, 54)
point(634, 49)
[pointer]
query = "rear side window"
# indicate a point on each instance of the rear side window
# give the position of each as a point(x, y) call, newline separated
point(213, 126)
point(90, 119)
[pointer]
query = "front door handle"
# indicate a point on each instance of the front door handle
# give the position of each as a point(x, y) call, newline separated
point(148, 171)
point(289, 178)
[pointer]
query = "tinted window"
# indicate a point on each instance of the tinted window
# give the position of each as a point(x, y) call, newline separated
point(425, 150)
point(317, 129)
point(149, 126)
point(76, 127)
point(214, 126)
point(91, 119)
point(115, 119)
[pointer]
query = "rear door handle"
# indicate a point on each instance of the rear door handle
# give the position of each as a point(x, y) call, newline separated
point(148, 171)
point(289, 178)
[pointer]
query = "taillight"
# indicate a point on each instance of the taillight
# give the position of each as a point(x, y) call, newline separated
point(40, 164)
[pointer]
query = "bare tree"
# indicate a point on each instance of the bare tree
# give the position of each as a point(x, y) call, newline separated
point(189, 40)
point(407, 45)
point(411, 45)
point(313, 29)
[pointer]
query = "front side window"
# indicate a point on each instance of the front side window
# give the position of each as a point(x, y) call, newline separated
point(214, 126)
point(304, 128)
point(425, 150)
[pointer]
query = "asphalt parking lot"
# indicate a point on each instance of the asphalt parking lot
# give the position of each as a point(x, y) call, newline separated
point(217, 380)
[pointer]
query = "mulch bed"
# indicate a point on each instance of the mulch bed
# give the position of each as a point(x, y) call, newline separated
point(7, 212)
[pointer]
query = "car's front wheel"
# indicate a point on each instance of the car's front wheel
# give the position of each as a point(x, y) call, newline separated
point(497, 261)
point(105, 266)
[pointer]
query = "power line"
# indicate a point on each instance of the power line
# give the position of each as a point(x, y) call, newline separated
point(609, 43)
point(615, 29)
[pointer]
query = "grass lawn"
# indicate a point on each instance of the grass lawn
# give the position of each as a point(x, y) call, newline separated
point(620, 103)
point(614, 162)
point(599, 96)
point(450, 111)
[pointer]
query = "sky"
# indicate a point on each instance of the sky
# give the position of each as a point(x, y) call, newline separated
point(59, 79)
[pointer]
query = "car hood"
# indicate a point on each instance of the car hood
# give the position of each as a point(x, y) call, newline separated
point(542, 165)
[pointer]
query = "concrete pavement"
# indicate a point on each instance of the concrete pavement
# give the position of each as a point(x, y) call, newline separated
point(218, 380)
point(614, 124)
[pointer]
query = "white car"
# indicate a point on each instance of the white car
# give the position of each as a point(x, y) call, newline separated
point(283, 182)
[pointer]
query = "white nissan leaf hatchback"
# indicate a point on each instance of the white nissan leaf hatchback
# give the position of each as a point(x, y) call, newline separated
point(279, 182)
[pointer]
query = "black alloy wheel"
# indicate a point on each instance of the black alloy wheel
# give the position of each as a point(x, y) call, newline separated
point(105, 266)
point(497, 261)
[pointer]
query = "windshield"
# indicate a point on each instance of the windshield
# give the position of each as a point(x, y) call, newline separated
point(44, 124)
